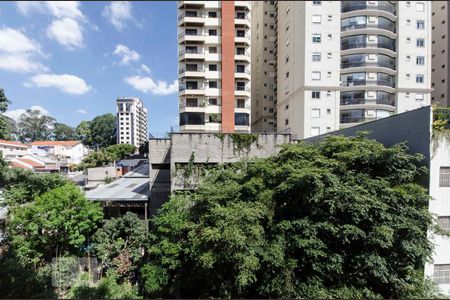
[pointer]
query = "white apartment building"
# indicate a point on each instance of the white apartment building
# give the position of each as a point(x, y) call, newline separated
point(264, 66)
point(343, 63)
point(214, 65)
point(9, 150)
point(71, 151)
point(440, 53)
point(131, 121)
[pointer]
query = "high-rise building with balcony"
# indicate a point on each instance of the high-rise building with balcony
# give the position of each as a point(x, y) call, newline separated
point(342, 63)
point(131, 121)
point(440, 53)
point(214, 65)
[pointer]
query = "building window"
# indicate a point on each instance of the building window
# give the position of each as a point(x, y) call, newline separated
point(286, 107)
point(330, 18)
point(408, 58)
point(408, 40)
point(315, 113)
point(316, 56)
point(420, 60)
point(212, 67)
point(329, 55)
point(287, 74)
point(212, 84)
point(419, 78)
point(330, 36)
point(328, 74)
point(420, 24)
point(212, 32)
point(444, 222)
point(420, 6)
point(317, 2)
point(317, 19)
point(315, 94)
point(212, 101)
point(212, 14)
point(444, 177)
point(317, 38)
point(212, 49)
point(441, 274)
point(286, 60)
point(240, 103)
point(315, 75)
point(420, 42)
point(315, 131)
point(286, 122)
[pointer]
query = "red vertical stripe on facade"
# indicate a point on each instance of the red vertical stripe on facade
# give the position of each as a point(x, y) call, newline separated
point(228, 66)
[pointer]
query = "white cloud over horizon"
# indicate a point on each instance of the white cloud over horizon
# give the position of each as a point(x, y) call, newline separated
point(118, 13)
point(82, 111)
point(148, 85)
point(66, 83)
point(16, 113)
point(126, 54)
point(18, 52)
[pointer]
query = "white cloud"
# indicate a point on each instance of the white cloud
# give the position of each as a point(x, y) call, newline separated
point(18, 52)
point(127, 55)
point(58, 9)
point(67, 32)
point(144, 69)
point(69, 84)
point(15, 114)
point(82, 111)
point(118, 13)
point(148, 85)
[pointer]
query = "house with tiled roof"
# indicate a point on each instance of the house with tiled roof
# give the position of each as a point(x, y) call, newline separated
point(9, 149)
point(71, 151)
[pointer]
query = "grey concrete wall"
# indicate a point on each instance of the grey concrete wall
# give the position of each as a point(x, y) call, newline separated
point(159, 151)
point(159, 157)
point(100, 173)
point(412, 127)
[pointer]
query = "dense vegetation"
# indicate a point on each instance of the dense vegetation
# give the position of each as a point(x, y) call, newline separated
point(339, 219)
point(107, 156)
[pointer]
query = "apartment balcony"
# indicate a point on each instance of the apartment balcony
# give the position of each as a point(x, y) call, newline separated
point(242, 91)
point(242, 19)
point(242, 74)
point(193, 19)
point(366, 66)
point(243, 4)
point(242, 39)
point(352, 120)
point(198, 72)
point(197, 54)
point(194, 91)
point(189, 106)
point(384, 8)
point(242, 56)
point(368, 103)
point(191, 4)
point(372, 29)
point(191, 37)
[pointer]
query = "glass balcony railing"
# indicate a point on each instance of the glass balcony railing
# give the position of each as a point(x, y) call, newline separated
point(359, 82)
point(357, 119)
point(357, 64)
point(390, 28)
point(348, 6)
point(354, 45)
point(379, 101)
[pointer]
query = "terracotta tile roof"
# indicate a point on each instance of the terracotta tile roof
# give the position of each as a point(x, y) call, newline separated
point(55, 143)
point(16, 144)
point(17, 165)
point(31, 163)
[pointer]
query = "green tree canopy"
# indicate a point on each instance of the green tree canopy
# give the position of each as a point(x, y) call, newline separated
point(34, 126)
point(342, 218)
point(83, 131)
point(107, 156)
point(103, 131)
point(119, 244)
point(5, 125)
point(63, 132)
point(57, 223)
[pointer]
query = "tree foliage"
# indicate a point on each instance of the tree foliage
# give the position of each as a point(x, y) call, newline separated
point(107, 156)
point(5, 125)
point(342, 218)
point(34, 126)
point(103, 131)
point(119, 245)
point(83, 131)
point(63, 132)
point(58, 222)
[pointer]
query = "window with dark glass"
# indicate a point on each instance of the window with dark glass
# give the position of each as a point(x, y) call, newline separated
point(212, 84)
point(212, 101)
point(191, 67)
point(240, 103)
point(212, 14)
point(240, 68)
point(240, 33)
point(191, 102)
point(240, 51)
point(241, 119)
point(212, 32)
point(212, 67)
point(192, 118)
point(191, 31)
point(191, 13)
point(240, 15)
point(191, 85)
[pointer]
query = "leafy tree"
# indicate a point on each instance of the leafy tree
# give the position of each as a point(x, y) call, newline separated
point(121, 151)
point(342, 218)
point(34, 126)
point(63, 132)
point(103, 131)
point(143, 149)
point(119, 244)
point(107, 288)
point(5, 126)
point(57, 223)
point(107, 156)
point(83, 131)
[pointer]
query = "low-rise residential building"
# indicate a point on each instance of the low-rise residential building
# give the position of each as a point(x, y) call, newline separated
point(72, 152)
point(37, 164)
point(10, 149)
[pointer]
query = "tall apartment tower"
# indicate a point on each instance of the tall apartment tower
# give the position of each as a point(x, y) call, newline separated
point(263, 66)
point(214, 66)
point(440, 72)
point(343, 63)
point(131, 121)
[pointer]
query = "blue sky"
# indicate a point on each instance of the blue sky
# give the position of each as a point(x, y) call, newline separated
point(72, 59)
